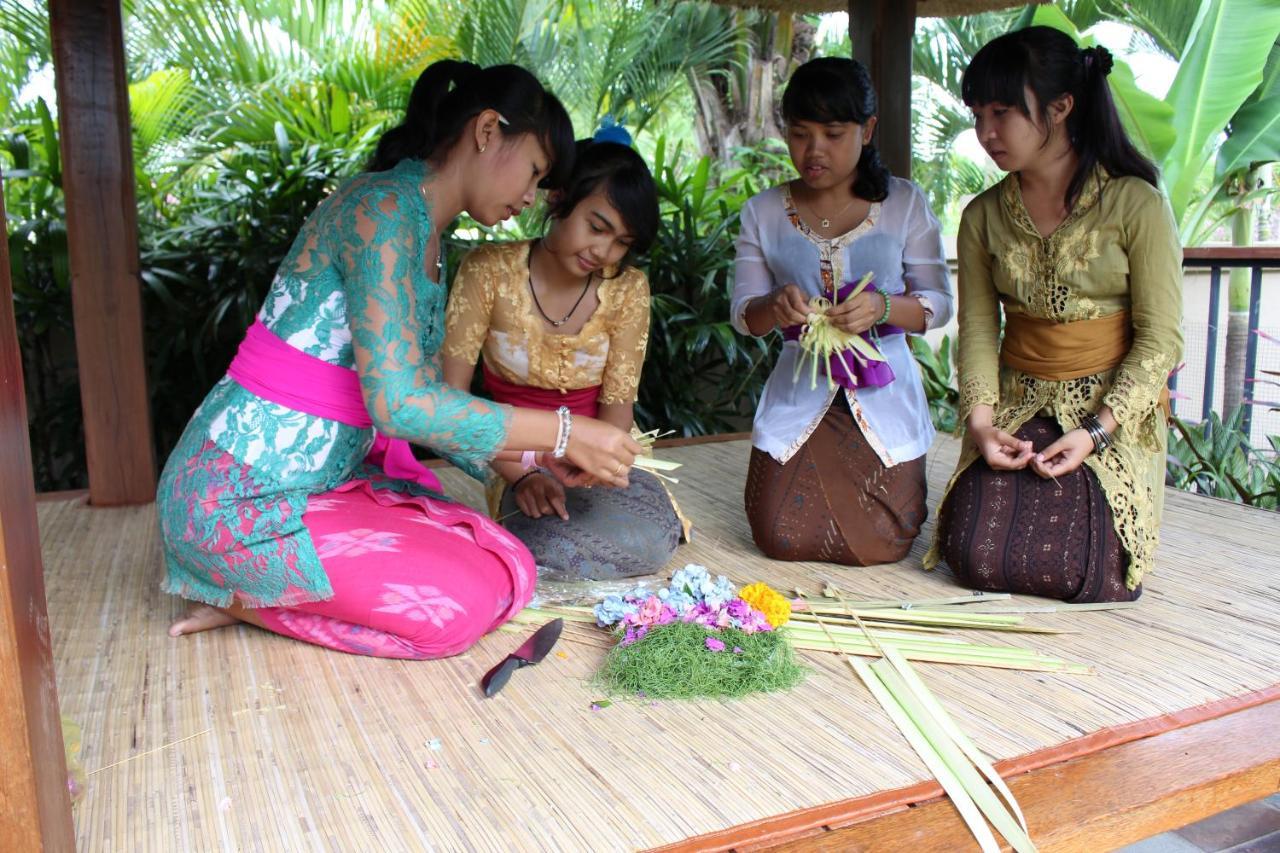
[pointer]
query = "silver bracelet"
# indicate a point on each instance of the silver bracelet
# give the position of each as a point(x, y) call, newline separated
point(1093, 427)
point(562, 434)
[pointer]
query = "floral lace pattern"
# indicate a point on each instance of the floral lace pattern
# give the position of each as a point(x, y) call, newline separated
point(490, 311)
point(1116, 251)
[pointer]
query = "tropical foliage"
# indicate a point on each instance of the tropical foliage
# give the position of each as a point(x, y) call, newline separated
point(246, 113)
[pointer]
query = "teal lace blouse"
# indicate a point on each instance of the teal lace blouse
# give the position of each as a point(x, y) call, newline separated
point(355, 291)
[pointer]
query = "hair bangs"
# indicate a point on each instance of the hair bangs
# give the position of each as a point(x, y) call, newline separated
point(997, 75)
point(827, 90)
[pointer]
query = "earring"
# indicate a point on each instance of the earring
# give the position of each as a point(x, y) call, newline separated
point(482, 147)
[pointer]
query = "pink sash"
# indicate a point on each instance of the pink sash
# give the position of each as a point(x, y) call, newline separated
point(268, 366)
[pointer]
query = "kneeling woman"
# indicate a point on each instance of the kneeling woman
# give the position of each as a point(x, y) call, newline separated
point(279, 507)
point(562, 323)
point(1061, 479)
point(837, 474)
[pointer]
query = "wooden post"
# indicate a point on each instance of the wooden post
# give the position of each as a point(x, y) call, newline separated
point(102, 238)
point(35, 809)
point(882, 32)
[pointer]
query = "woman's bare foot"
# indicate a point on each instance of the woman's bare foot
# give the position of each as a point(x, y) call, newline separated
point(201, 617)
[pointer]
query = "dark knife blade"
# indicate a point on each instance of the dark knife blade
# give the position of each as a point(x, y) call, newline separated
point(530, 652)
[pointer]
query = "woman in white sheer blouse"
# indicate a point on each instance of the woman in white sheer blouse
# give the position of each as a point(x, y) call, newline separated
point(837, 472)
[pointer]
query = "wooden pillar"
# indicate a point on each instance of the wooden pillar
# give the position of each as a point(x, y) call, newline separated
point(35, 809)
point(882, 32)
point(102, 241)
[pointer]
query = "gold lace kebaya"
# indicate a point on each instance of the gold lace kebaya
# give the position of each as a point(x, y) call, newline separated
point(1117, 251)
point(491, 311)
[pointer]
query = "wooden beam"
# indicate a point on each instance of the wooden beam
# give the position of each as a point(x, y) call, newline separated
point(35, 809)
point(1104, 800)
point(102, 238)
point(882, 32)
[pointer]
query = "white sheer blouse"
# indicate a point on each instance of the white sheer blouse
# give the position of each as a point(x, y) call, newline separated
point(901, 242)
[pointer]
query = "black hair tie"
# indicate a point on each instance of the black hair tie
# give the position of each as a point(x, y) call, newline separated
point(1099, 57)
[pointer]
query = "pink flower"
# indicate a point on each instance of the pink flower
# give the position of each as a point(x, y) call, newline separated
point(650, 610)
point(714, 645)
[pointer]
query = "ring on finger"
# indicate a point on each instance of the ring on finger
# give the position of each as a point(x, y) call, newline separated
point(619, 470)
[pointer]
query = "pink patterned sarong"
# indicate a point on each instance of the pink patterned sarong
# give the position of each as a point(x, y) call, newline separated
point(412, 576)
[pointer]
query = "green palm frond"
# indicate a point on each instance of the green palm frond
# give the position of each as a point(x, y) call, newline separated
point(162, 108)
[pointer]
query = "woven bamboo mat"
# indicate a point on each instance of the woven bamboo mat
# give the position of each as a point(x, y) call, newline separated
point(241, 740)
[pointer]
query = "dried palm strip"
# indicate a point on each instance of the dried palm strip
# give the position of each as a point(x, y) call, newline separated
point(928, 717)
point(895, 705)
point(971, 751)
point(1062, 607)
point(905, 604)
point(934, 623)
point(948, 753)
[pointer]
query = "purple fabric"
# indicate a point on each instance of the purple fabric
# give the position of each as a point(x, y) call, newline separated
point(852, 371)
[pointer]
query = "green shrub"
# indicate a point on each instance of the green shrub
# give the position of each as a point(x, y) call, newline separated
point(1216, 458)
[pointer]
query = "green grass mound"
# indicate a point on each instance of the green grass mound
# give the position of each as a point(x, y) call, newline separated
point(673, 662)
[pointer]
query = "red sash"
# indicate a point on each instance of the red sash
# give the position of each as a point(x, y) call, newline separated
point(581, 401)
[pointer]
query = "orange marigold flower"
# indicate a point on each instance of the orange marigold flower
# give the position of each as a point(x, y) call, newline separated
point(775, 607)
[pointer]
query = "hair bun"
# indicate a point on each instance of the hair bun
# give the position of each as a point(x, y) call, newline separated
point(1099, 57)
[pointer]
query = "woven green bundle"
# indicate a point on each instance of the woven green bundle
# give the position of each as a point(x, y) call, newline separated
point(673, 662)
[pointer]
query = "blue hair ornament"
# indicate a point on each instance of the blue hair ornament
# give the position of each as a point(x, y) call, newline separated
point(611, 131)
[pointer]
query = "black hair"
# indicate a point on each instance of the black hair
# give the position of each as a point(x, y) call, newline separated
point(1050, 63)
point(450, 93)
point(627, 182)
point(834, 89)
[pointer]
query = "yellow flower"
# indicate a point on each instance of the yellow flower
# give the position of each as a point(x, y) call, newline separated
point(775, 607)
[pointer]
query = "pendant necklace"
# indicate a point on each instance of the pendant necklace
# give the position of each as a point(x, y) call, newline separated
point(556, 323)
point(826, 223)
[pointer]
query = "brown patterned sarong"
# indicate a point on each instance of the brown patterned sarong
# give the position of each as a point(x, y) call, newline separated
point(1013, 531)
point(834, 501)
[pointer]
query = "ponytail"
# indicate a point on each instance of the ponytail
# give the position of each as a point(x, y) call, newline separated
point(1049, 63)
point(1096, 131)
point(449, 93)
point(415, 135)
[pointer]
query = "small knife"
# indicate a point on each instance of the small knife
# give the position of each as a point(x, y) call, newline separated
point(530, 652)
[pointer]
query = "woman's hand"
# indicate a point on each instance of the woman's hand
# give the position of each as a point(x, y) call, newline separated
point(566, 472)
point(858, 314)
point(1064, 455)
point(788, 306)
point(1003, 452)
point(540, 494)
point(602, 451)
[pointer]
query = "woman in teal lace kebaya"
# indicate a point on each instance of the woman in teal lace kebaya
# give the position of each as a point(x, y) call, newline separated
point(291, 501)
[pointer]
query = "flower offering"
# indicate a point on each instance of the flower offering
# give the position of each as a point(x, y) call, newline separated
point(698, 637)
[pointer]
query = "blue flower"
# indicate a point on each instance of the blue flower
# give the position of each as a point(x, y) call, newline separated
point(720, 592)
point(613, 610)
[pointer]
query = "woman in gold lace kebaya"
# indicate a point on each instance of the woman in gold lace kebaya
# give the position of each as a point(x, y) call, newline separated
point(1060, 482)
point(563, 322)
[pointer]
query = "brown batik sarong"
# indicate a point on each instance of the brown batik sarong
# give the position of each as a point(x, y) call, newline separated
point(834, 501)
point(1014, 531)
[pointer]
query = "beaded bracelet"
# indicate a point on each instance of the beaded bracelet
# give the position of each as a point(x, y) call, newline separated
point(562, 435)
point(524, 477)
point(888, 305)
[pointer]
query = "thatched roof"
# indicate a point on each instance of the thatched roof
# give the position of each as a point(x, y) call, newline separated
point(924, 8)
